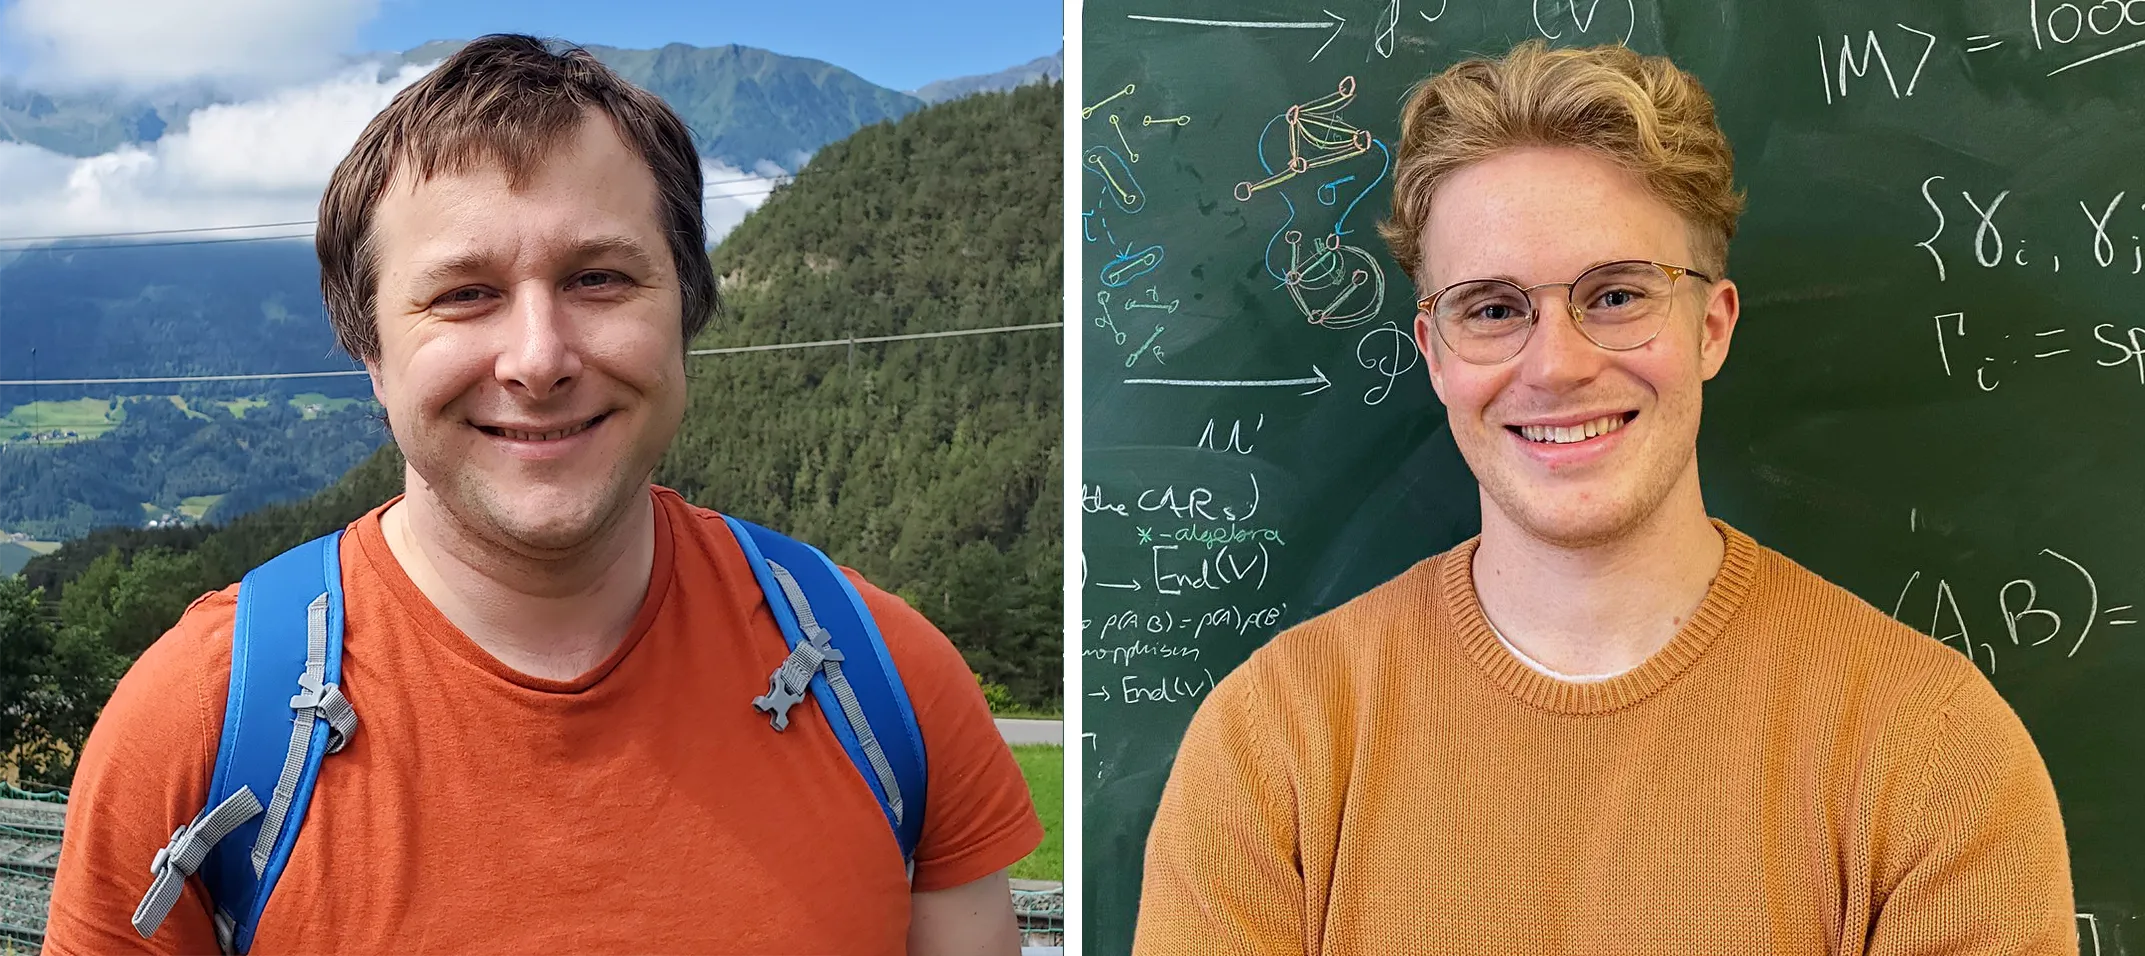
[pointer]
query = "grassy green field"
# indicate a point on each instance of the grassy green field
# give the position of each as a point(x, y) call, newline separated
point(1044, 766)
point(239, 407)
point(198, 505)
point(86, 417)
point(92, 417)
point(313, 404)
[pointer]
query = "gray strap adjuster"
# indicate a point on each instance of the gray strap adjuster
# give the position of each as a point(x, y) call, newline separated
point(182, 857)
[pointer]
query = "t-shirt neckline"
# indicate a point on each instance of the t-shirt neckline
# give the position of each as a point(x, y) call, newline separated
point(371, 539)
point(1731, 585)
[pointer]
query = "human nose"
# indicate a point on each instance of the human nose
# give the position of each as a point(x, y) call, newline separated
point(539, 356)
point(1558, 355)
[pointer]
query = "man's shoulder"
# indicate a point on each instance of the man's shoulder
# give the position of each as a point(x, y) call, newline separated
point(1848, 664)
point(1349, 646)
point(1840, 629)
point(193, 655)
point(913, 641)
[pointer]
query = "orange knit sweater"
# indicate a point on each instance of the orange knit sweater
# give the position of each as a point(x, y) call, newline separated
point(1793, 773)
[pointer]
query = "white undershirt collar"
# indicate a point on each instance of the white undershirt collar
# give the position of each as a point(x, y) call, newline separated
point(1539, 668)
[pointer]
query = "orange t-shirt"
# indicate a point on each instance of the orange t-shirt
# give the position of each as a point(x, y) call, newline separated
point(643, 807)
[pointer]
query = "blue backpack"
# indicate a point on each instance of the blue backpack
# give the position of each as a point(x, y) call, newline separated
point(273, 741)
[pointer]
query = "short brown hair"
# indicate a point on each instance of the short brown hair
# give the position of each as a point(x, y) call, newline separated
point(1639, 112)
point(504, 98)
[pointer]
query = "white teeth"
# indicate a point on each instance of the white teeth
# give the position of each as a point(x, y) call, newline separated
point(545, 436)
point(1567, 434)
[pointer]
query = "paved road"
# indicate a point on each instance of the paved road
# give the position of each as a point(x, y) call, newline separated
point(1018, 731)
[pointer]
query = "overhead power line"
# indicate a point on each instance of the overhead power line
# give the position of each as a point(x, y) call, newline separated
point(863, 339)
point(157, 232)
point(705, 194)
point(343, 373)
point(295, 235)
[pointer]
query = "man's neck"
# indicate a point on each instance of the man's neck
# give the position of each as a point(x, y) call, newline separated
point(553, 616)
point(1605, 608)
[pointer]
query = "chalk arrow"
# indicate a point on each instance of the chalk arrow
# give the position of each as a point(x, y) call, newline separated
point(1317, 379)
point(1338, 23)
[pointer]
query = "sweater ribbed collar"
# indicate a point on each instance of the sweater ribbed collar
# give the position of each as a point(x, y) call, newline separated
point(1456, 594)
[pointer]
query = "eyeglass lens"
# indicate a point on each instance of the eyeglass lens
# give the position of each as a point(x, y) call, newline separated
point(1624, 305)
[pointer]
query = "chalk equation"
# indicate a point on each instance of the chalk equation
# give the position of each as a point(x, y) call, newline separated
point(1188, 502)
point(1561, 20)
point(2076, 34)
point(1145, 689)
point(1991, 354)
point(2110, 225)
point(2030, 617)
point(1224, 619)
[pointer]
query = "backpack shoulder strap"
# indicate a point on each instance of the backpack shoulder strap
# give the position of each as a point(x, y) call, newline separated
point(839, 656)
point(284, 715)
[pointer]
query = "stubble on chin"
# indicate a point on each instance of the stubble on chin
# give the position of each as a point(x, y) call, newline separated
point(540, 523)
point(1557, 518)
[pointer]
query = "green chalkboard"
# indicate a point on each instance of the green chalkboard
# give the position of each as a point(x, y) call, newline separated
point(1934, 397)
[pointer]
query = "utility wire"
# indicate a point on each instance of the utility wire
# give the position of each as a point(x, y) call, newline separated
point(774, 181)
point(732, 350)
point(295, 235)
point(862, 339)
point(156, 232)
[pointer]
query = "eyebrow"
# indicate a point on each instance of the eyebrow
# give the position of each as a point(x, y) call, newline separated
point(592, 248)
point(1508, 277)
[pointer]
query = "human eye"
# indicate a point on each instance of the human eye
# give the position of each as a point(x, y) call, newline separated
point(465, 299)
point(599, 280)
point(1493, 312)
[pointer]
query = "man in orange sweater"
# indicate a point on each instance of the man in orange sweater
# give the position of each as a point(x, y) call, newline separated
point(1610, 724)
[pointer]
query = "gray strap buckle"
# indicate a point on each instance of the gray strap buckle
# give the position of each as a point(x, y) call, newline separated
point(792, 680)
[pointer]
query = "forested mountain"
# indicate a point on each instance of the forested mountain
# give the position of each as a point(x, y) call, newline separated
point(162, 310)
point(930, 465)
point(162, 455)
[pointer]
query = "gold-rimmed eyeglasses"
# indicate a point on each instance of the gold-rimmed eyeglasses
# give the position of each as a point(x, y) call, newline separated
point(1618, 305)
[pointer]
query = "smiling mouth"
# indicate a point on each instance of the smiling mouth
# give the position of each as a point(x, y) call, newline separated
point(1569, 434)
point(553, 435)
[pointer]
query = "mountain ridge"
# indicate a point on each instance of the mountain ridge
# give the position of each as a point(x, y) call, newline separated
point(1048, 68)
point(744, 104)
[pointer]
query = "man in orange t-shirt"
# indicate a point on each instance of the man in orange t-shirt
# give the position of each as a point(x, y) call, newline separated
point(1609, 724)
point(553, 661)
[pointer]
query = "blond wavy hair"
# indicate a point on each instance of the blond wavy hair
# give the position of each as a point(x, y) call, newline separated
point(1639, 112)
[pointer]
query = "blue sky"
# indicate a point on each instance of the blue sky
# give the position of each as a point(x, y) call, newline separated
point(897, 45)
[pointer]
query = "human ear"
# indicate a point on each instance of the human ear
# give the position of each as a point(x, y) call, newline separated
point(1723, 308)
point(1433, 358)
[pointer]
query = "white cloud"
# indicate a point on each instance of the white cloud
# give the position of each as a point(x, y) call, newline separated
point(258, 161)
point(139, 43)
point(732, 193)
point(262, 160)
